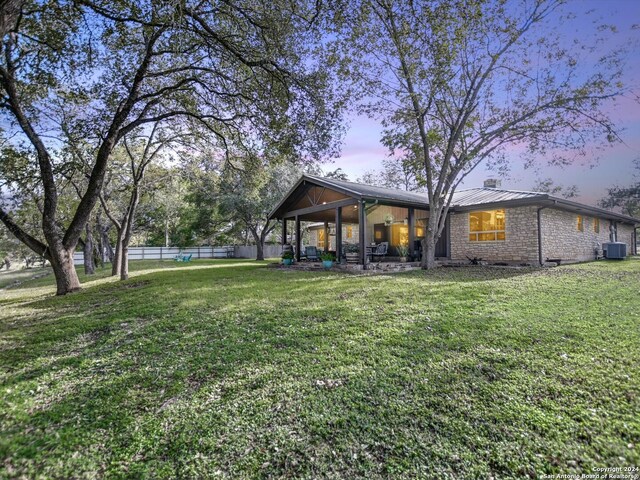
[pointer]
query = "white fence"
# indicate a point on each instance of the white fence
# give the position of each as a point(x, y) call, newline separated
point(168, 253)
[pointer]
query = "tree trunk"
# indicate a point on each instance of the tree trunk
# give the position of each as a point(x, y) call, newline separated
point(260, 248)
point(108, 249)
point(64, 271)
point(89, 266)
point(166, 233)
point(429, 243)
point(124, 262)
point(259, 239)
point(104, 244)
point(116, 263)
point(428, 252)
point(98, 261)
point(127, 225)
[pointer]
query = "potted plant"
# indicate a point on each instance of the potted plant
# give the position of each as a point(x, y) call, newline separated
point(287, 257)
point(327, 260)
point(403, 251)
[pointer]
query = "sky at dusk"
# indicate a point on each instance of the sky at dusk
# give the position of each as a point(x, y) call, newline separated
point(362, 150)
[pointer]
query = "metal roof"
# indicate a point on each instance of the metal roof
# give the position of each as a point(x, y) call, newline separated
point(478, 196)
point(462, 199)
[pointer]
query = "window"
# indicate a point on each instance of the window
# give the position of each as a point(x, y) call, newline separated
point(421, 224)
point(399, 235)
point(580, 223)
point(320, 238)
point(487, 226)
point(596, 225)
point(349, 231)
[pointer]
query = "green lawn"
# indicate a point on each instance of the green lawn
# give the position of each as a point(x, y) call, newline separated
point(16, 276)
point(228, 369)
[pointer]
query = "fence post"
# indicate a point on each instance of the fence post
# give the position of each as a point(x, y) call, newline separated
point(142, 253)
point(160, 253)
point(198, 252)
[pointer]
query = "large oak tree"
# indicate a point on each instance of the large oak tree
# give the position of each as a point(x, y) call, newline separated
point(456, 83)
point(104, 69)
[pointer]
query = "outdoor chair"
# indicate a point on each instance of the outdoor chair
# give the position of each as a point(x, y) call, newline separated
point(380, 251)
point(183, 258)
point(311, 253)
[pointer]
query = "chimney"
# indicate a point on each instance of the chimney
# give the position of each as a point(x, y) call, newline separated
point(492, 183)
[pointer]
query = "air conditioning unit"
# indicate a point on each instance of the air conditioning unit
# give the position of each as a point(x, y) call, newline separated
point(615, 250)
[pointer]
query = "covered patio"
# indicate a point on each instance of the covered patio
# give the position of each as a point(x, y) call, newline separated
point(359, 224)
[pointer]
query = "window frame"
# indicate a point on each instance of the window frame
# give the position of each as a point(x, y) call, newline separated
point(495, 233)
point(596, 225)
point(580, 223)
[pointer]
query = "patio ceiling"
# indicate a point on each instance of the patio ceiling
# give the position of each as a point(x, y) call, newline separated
point(349, 215)
point(306, 199)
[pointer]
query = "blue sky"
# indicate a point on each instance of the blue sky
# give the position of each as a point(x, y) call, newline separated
point(362, 149)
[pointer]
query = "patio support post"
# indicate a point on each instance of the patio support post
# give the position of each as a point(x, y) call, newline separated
point(412, 230)
point(298, 239)
point(326, 237)
point(284, 231)
point(338, 234)
point(362, 227)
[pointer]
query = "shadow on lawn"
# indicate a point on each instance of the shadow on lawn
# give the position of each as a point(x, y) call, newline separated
point(474, 273)
point(114, 377)
point(315, 374)
point(51, 325)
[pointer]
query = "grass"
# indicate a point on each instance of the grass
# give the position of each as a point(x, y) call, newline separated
point(228, 369)
point(16, 276)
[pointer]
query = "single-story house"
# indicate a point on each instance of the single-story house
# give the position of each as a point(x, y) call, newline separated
point(487, 223)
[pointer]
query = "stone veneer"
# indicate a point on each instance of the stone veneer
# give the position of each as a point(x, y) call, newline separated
point(626, 235)
point(520, 244)
point(561, 238)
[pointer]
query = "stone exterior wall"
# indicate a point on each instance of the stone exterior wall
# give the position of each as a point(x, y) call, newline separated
point(520, 244)
point(625, 234)
point(561, 238)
